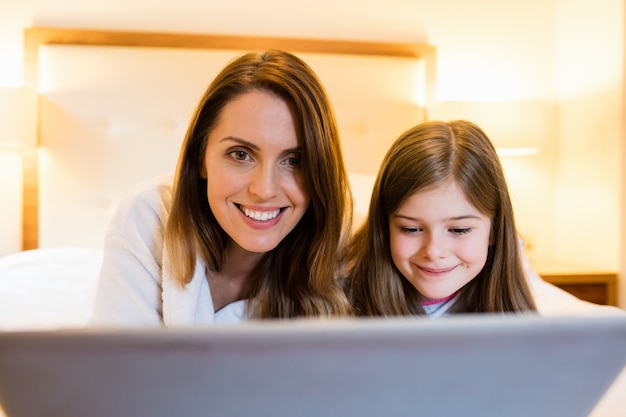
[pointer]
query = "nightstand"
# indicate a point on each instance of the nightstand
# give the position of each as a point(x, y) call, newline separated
point(589, 284)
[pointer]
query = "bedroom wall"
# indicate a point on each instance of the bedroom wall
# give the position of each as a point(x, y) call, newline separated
point(11, 196)
point(622, 269)
point(564, 54)
point(589, 131)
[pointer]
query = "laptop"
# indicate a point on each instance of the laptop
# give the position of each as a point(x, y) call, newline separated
point(456, 366)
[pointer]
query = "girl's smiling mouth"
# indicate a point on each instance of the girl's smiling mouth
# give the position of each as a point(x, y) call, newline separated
point(436, 271)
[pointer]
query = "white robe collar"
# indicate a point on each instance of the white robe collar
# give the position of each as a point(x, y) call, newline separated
point(192, 305)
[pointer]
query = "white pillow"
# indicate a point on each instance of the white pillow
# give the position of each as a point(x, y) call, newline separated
point(48, 288)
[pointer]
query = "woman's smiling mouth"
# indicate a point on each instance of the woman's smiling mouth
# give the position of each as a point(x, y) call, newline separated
point(258, 214)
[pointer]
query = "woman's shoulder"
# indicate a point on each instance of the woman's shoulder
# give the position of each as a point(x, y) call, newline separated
point(146, 204)
point(152, 190)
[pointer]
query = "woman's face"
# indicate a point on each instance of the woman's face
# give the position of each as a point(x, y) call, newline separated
point(439, 241)
point(255, 183)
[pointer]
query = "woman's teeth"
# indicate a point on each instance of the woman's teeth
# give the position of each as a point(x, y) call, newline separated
point(260, 215)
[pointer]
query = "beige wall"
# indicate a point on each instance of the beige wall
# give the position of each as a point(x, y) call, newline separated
point(565, 54)
point(622, 270)
point(589, 93)
point(10, 201)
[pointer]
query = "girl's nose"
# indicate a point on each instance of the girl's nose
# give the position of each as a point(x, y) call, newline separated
point(434, 246)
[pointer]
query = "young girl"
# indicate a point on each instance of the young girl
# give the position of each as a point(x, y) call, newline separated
point(440, 236)
point(251, 224)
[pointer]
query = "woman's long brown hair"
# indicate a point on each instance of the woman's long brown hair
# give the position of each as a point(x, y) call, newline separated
point(298, 277)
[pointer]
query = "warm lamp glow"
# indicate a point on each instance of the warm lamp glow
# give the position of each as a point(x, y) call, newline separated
point(517, 151)
point(17, 127)
point(514, 127)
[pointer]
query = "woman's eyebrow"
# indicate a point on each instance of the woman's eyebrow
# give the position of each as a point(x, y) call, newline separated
point(239, 141)
point(251, 145)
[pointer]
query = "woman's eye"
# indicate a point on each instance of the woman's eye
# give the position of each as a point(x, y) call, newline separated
point(461, 230)
point(239, 155)
point(410, 229)
point(293, 162)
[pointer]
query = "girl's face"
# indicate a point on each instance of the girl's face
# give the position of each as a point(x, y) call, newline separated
point(439, 241)
point(255, 182)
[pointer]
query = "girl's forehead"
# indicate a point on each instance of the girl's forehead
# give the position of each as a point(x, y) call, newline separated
point(447, 186)
point(443, 200)
point(447, 190)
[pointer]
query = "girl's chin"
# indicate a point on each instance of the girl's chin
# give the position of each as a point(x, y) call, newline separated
point(435, 295)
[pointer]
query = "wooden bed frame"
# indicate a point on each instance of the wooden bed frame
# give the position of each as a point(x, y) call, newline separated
point(39, 36)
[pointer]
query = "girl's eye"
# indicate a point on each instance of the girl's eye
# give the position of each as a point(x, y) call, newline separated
point(460, 230)
point(410, 229)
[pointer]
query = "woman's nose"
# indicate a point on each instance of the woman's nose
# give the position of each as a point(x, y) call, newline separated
point(263, 182)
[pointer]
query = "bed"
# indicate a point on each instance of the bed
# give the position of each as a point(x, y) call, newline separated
point(104, 126)
point(53, 288)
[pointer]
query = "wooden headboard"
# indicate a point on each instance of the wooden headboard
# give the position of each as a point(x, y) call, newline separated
point(37, 39)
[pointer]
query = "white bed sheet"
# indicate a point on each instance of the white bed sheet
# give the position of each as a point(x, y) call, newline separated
point(54, 288)
point(48, 288)
point(552, 301)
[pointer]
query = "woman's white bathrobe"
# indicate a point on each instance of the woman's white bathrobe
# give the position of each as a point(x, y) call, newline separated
point(136, 288)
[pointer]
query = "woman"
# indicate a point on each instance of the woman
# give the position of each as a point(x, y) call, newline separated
point(253, 221)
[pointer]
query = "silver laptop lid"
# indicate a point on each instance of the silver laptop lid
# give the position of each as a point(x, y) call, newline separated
point(458, 366)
